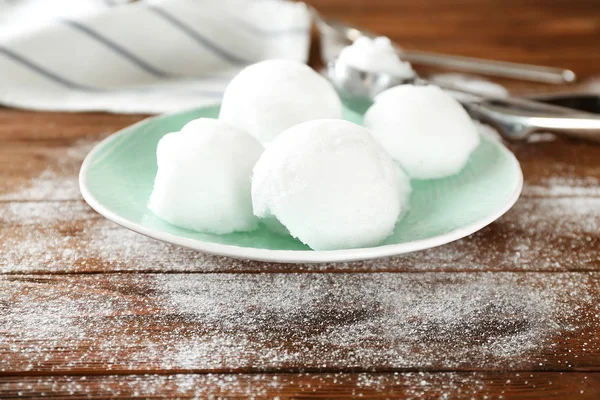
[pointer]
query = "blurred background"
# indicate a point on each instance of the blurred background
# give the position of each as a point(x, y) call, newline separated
point(541, 31)
point(545, 32)
point(108, 55)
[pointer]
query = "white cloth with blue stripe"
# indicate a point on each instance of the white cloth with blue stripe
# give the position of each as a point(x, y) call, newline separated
point(143, 57)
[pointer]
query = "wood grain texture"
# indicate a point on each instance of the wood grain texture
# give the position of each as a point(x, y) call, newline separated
point(538, 234)
point(89, 309)
point(550, 385)
point(383, 322)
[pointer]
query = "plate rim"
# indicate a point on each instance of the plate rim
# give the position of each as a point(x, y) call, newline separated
point(289, 256)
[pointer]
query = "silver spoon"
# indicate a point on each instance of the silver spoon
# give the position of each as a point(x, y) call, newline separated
point(515, 118)
point(335, 35)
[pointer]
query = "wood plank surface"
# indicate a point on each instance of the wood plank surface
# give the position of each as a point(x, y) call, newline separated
point(538, 234)
point(173, 323)
point(91, 310)
point(452, 385)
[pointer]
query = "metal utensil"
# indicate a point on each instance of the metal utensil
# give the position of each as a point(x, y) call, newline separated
point(517, 122)
point(582, 101)
point(515, 118)
point(335, 35)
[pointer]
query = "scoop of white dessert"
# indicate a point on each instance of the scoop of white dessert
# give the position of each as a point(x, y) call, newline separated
point(268, 97)
point(203, 178)
point(424, 129)
point(330, 184)
point(375, 55)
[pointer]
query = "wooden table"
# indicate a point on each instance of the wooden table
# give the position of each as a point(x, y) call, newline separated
point(90, 309)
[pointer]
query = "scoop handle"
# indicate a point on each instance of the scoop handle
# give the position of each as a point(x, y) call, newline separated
point(517, 123)
point(517, 117)
point(504, 69)
point(335, 35)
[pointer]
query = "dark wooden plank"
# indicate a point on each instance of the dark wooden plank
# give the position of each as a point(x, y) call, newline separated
point(538, 234)
point(561, 168)
point(58, 127)
point(550, 385)
point(385, 322)
point(38, 170)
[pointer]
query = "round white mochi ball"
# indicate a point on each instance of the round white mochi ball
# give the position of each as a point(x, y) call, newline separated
point(266, 98)
point(330, 184)
point(424, 129)
point(203, 178)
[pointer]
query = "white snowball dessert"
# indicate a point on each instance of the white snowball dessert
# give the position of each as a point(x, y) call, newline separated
point(424, 129)
point(268, 97)
point(330, 184)
point(375, 55)
point(203, 178)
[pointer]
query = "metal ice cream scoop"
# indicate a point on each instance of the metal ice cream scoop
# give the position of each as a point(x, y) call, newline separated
point(335, 35)
point(515, 118)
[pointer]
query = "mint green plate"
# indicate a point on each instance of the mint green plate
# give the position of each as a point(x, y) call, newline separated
point(117, 176)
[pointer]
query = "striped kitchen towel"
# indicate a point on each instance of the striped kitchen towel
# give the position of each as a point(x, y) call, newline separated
point(142, 57)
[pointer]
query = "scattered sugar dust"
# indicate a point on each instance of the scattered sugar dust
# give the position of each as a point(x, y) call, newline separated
point(573, 186)
point(375, 321)
point(294, 322)
point(59, 180)
point(69, 237)
point(409, 385)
